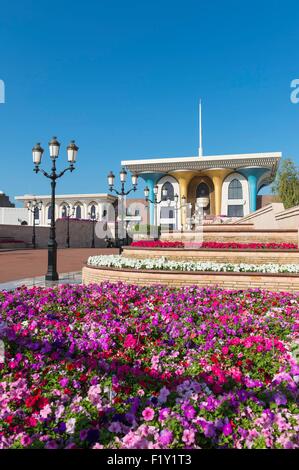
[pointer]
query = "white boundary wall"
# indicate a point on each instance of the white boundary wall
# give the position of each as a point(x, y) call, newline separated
point(13, 215)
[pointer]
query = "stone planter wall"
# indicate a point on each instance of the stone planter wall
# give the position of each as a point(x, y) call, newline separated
point(235, 233)
point(273, 282)
point(216, 255)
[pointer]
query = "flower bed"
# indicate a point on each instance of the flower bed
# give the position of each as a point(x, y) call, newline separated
point(214, 245)
point(122, 366)
point(118, 261)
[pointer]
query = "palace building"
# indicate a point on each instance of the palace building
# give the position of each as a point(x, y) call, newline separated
point(220, 185)
point(79, 206)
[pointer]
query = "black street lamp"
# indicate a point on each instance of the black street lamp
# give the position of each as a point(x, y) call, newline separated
point(93, 216)
point(37, 152)
point(155, 201)
point(68, 214)
point(34, 207)
point(122, 193)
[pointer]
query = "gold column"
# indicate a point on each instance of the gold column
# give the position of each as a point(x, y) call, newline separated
point(217, 178)
point(183, 178)
point(217, 181)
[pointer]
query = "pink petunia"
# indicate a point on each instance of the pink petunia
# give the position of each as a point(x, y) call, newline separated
point(148, 414)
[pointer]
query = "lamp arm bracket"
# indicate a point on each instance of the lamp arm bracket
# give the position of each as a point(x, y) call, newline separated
point(37, 170)
point(115, 191)
point(129, 191)
point(70, 168)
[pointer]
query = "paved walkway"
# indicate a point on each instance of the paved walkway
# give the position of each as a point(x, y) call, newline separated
point(27, 264)
point(64, 278)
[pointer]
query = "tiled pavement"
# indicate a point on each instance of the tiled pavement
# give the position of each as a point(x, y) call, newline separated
point(65, 278)
point(28, 267)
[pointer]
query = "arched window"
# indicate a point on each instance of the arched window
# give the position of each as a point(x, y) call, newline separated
point(93, 212)
point(78, 212)
point(235, 190)
point(202, 190)
point(64, 211)
point(49, 212)
point(170, 191)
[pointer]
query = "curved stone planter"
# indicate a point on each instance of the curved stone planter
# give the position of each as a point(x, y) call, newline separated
point(274, 282)
point(235, 233)
point(235, 256)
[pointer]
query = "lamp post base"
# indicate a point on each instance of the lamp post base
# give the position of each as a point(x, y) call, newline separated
point(52, 277)
point(52, 274)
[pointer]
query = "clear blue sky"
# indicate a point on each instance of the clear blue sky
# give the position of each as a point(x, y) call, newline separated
point(123, 78)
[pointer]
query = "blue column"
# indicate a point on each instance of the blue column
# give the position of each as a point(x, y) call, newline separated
point(150, 181)
point(252, 181)
point(252, 175)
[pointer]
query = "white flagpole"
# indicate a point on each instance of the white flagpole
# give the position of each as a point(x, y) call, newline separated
point(200, 149)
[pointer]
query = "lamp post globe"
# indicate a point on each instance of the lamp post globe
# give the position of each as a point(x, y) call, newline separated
point(146, 192)
point(123, 175)
point(54, 147)
point(111, 178)
point(37, 153)
point(72, 151)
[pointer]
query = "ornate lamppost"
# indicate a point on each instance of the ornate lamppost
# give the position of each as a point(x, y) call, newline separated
point(182, 206)
point(93, 216)
point(37, 152)
point(155, 201)
point(69, 212)
point(122, 193)
point(34, 207)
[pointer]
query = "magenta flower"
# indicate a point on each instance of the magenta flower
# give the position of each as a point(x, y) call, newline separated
point(227, 429)
point(70, 378)
point(148, 414)
point(166, 437)
point(130, 341)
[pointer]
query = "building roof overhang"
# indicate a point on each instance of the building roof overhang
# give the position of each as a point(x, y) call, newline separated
point(166, 165)
point(60, 197)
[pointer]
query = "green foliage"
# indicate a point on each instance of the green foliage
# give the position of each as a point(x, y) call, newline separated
point(146, 229)
point(286, 185)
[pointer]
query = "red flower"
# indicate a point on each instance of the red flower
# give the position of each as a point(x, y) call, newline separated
point(130, 341)
point(42, 402)
point(30, 402)
point(213, 245)
point(31, 421)
point(9, 419)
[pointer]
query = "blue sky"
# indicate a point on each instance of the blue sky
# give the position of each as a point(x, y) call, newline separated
point(123, 78)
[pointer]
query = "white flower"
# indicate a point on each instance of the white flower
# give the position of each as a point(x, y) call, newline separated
point(163, 264)
point(70, 425)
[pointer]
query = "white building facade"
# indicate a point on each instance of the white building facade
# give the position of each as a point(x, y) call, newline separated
point(82, 207)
